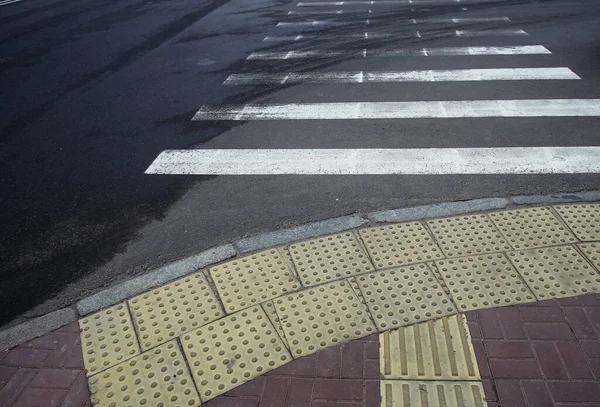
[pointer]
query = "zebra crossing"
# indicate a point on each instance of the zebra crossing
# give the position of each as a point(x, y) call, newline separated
point(308, 161)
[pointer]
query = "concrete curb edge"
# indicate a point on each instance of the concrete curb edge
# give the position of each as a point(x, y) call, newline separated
point(44, 324)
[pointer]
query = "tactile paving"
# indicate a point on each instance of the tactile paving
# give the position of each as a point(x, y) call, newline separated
point(319, 317)
point(582, 219)
point(531, 227)
point(438, 275)
point(253, 279)
point(404, 296)
point(467, 235)
point(484, 282)
point(158, 377)
point(356, 288)
point(226, 353)
point(399, 244)
point(433, 350)
point(107, 338)
point(174, 309)
point(556, 272)
point(402, 393)
point(592, 252)
point(271, 312)
point(329, 258)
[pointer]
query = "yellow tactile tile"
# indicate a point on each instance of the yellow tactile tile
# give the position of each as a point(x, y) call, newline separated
point(271, 312)
point(556, 272)
point(467, 235)
point(354, 284)
point(403, 296)
point(583, 219)
point(158, 377)
point(107, 338)
point(402, 393)
point(592, 252)
point(329, 258)
point(399, 244)
point(226, 353)
point(433, 350)
point(436, 273)
point(253, 279)
point(322, 316)
point(484, 282)
point(532, 227)
point(173, 309)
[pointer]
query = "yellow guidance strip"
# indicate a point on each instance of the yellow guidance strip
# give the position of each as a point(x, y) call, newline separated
point(556, 272)
point(224, 354)
point(174, 309)
point(484, 282)
point(433, 350)
point(107, 338)
point(248, 281)
point(158, 377)
point(404, 296)
point(532, 227)
point(329, 258)
point(583, 219)
point(400, 393)
point(399, 244)
point(592, 252)
point(467, 235)
point(319, 317)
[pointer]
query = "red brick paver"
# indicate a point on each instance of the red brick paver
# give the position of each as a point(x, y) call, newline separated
point(342, 376)
point(46, 371)
point(542, 354)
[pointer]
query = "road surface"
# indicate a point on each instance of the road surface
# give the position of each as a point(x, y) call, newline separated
point(392, 103)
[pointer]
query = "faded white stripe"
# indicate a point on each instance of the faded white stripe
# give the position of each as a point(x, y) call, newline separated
point(458, 20)
point(453, 75)
point(444, 51)
point(316, 23)
point(7, 2)
point(415, 34)
point(379, 2)
point(500, 160)
point(404, 110)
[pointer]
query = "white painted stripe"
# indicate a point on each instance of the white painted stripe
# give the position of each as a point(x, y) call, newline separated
point(454, 75)
point(382, 2)
point(7, 2)
point(416, 34)
point(317, 23)
point(444, 51)
point(404, 110)
point(457, 20)
point(430, 161)
point(317, 12)
point(493, 32)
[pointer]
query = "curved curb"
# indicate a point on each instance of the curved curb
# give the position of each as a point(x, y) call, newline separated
point(41, 325)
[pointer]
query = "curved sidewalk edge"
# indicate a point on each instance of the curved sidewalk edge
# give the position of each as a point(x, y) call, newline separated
point(40, 325)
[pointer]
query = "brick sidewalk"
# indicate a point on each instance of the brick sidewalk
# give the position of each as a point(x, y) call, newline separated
point(541, 354)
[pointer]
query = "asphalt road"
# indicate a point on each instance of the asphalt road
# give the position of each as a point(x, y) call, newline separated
point(91, 93)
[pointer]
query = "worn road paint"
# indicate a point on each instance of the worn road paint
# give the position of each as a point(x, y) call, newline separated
point(424, 52)
point(453, 75)
point(404, 110)
point(415, 34)
point(499, 160)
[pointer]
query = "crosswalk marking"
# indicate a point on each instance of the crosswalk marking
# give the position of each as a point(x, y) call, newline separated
point(317, 23)
point(313, 12)
point(415, 34)
point(442, 51)
point(453, 75)
point(7, 2)
point(383, 2)
point(499, 160)
point(404, 110)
